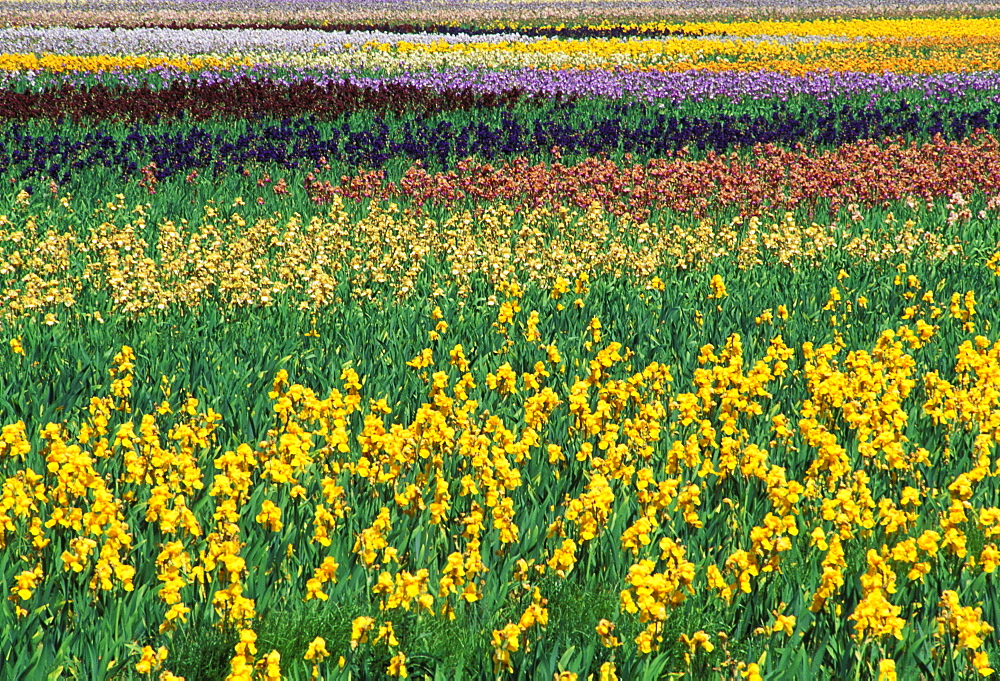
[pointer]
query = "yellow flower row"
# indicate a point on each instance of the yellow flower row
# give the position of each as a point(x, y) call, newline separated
point(852, 28)
point(901, 55)
point(385, 250)
point(872, 27)
point(59, 63)
point(653, 455)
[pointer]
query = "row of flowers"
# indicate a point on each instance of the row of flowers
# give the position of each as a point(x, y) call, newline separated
point(833, 516)
point(406, 52)
point(606, 30)
point(250, 99)
point(264, 248)
point(763, 55)
point(863, 173)
point(669, 86)
point(664, 14)
point(374, 141)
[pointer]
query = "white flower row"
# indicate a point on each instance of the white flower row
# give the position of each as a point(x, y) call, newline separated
point(96, 41)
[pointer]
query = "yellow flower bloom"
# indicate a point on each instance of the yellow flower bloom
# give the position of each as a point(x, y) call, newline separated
point(317, 650)
point(397, 666)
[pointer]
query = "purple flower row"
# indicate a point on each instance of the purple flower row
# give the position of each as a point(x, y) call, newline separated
point(699, 85)
point(693, 85)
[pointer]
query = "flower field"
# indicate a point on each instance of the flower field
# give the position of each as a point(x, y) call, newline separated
point(487, 340)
